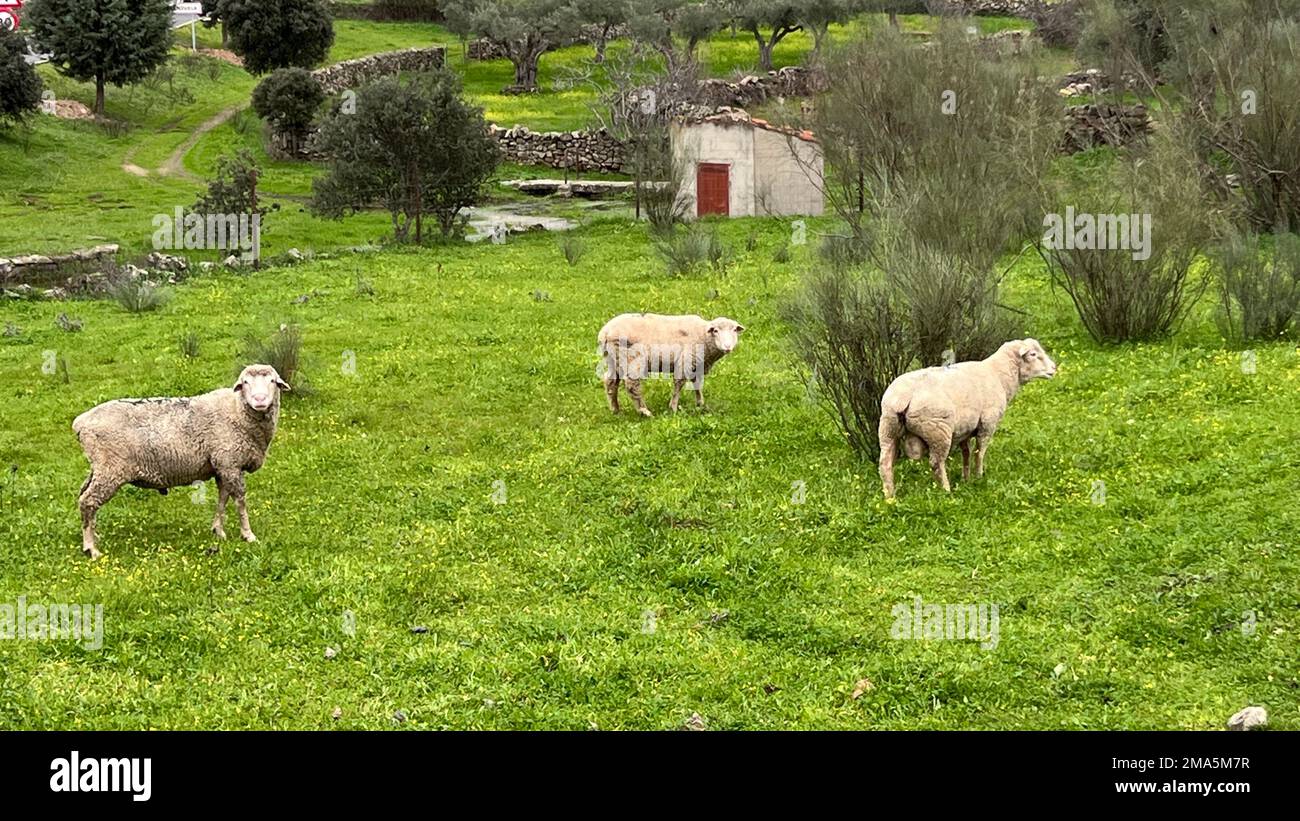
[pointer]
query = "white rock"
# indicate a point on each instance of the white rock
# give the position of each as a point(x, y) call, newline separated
point(1249, 718)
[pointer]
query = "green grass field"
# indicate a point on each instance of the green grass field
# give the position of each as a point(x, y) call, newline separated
point(639, 571)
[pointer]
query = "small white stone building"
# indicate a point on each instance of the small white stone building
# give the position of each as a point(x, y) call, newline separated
point(739, 166)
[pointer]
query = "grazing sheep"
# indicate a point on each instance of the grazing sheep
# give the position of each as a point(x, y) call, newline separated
point(634, 345)
point(164, 443)
point(935, 408)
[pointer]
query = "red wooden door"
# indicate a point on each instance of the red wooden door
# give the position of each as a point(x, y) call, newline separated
point(711, 189)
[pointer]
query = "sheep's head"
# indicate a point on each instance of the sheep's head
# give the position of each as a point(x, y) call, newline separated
point(259, 386)
point(724, 334)
point(1033, 361)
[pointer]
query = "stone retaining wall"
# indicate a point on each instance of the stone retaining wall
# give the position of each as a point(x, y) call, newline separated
point(755, 89)
point(46, 269)
point(355, 73)
point(82, 273)
point(576, 150)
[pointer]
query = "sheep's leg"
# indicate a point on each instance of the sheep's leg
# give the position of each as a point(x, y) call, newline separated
point(965, 460)
point(97, 490)
point(939, 461)
point(888, 432)
point(634, 391)
point(238, 491)
point(611, 392)
point(219, 518)
point(677, 394)
point(985, 439)
point(245, 530)
point(699, 395)
point(888, 452)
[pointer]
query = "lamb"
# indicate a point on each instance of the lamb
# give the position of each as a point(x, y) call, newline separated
point(935, 408)
point(169, 442)
point(634, 345)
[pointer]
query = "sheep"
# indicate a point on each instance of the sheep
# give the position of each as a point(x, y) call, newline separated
point(163, 443)
point(935, 408)
point(634, 345)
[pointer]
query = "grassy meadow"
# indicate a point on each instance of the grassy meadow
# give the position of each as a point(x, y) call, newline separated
point(454, 528)
point(573, 569)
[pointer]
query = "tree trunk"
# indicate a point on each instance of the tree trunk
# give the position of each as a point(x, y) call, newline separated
point(893, 19)
point(526, 71)
point(525, 53)
point(764, 49)
point(99, 94)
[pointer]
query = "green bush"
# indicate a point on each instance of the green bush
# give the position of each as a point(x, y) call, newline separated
point(416, 147)
point(288, 99)
point(843, 251)
point(20, 86)
point(271, 34)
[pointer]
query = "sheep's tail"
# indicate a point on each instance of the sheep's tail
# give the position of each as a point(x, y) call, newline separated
point(894, 421)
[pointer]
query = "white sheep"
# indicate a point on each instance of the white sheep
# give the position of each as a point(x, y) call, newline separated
point(935, 408)
point(169, 442)
point(636, 345)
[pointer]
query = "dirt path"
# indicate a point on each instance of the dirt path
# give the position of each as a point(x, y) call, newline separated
point(174, 165)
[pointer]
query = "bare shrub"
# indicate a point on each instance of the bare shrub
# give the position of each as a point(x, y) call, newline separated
point(849, 330)
point(1121, 296)
point(934, 154)
point(1227, 74)
point(952, 305)
point(1058, 24)
point(1259, 296)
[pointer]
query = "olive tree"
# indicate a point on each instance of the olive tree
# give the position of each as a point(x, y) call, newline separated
point(415, 148)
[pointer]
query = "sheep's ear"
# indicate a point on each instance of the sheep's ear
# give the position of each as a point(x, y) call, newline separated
point(282, 385)
point(239, 384)
point(740, 328)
